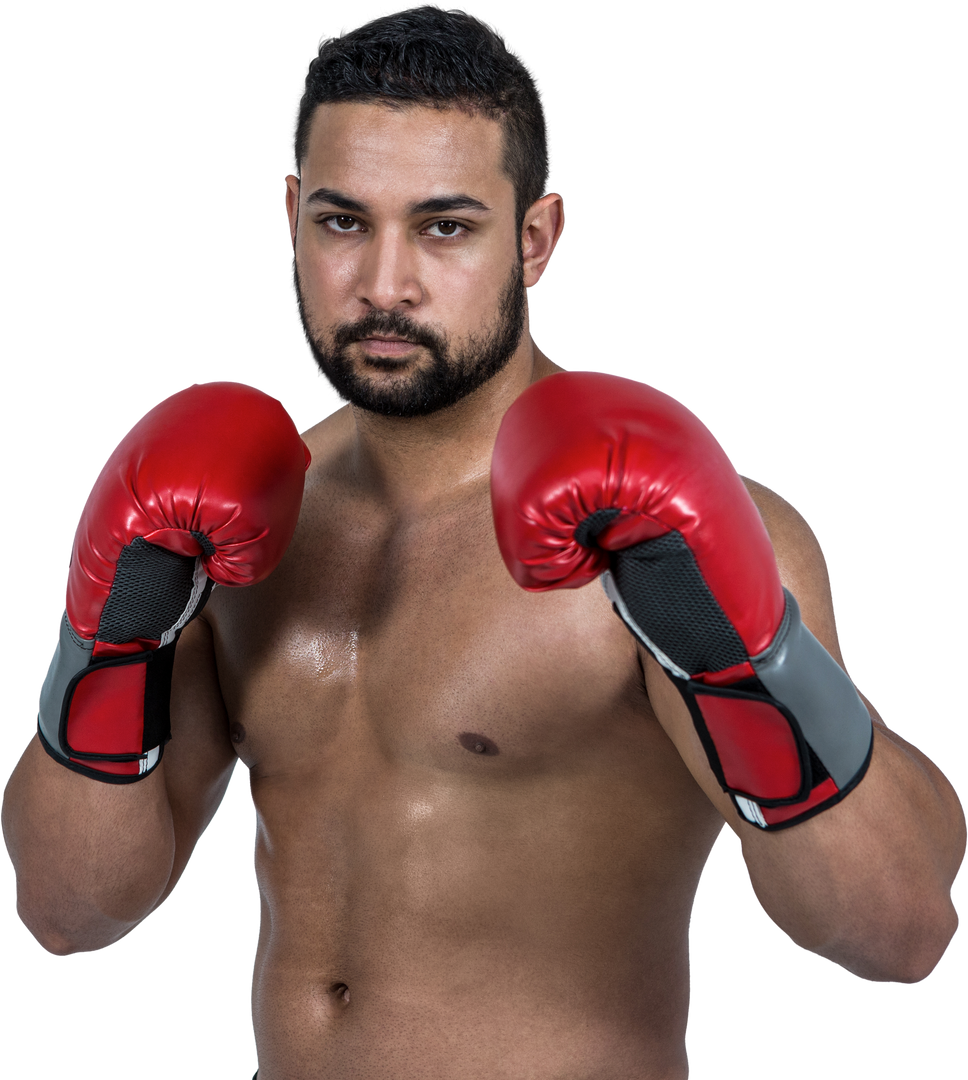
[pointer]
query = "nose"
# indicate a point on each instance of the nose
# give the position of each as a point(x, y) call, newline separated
point(388, 273)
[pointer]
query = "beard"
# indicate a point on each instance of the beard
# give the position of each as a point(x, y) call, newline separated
point(452, 373)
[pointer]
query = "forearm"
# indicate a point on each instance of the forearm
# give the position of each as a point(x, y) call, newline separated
point(92, 859)
point(867, 883)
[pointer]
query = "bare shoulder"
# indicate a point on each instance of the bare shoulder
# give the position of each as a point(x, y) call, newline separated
point(793, 540)
point(329, 439)
point(803, 569)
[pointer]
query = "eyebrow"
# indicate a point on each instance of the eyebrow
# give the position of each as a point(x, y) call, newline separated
point(441, 204)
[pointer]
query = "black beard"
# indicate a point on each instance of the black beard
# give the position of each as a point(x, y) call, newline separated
point(449, 377)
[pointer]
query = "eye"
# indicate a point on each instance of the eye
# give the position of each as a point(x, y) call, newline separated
point(346, 223)
point(444, 228)
point(342, 223)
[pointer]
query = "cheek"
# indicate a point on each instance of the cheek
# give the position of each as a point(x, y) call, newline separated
point(325, 281)
point(469, 290)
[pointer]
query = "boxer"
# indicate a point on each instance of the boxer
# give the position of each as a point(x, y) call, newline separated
point(483, 809)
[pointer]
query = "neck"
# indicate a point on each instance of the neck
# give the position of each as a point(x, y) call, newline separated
point(415, 460)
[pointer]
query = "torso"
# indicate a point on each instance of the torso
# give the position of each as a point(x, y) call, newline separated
point(477, 848)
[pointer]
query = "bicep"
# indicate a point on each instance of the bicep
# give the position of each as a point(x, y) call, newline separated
point(199, 759)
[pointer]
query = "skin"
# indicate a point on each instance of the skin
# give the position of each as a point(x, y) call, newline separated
point(482, 813)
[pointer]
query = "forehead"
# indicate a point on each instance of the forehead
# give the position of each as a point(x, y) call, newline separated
point(365, 148)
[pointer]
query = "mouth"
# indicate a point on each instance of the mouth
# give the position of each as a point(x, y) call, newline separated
point(378, 345)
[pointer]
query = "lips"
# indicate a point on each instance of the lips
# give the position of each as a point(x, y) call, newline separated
point(387, 346)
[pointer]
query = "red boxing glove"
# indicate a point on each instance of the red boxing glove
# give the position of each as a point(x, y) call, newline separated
point(204, 489)
point(594, 474)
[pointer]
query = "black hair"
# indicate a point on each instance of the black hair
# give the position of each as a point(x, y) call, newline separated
point(441, 59)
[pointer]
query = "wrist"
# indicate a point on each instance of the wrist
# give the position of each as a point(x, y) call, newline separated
point(791, 741)
point(107, 719)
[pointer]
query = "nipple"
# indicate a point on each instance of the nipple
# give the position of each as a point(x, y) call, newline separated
point(477, 744)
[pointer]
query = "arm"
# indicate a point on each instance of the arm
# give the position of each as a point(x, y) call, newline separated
point(99, 821)
point(597, 475)
point(867, 882)
point(92, 859)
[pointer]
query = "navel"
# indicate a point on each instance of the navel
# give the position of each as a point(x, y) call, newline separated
point(477, 744)
point(341, 992)
point(236, 732)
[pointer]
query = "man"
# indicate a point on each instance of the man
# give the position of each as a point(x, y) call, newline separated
point(483, 811)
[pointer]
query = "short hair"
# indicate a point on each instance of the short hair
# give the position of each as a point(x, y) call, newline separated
point(441, 59)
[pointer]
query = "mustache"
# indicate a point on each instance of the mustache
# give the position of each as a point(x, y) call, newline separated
point(374, 324)
point(391, 324)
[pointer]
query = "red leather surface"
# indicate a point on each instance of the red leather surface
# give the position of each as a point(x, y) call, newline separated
point(773, 815)
point(577, 442)
point(756, 748)
point(221, 459)
point(103, 711)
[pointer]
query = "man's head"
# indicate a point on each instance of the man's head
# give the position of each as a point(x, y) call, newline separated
point(417, 219)
point(438, 56)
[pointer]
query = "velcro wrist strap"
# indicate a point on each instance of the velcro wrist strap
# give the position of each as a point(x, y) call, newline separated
point(108, 719)
point(792, 741)
point(789, 736)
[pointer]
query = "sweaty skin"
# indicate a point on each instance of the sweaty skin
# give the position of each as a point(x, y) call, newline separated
point(482, 813)
point(477, 847)
point(468, 813)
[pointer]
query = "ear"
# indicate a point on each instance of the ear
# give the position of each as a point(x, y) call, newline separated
point(292, 206)
point(542, 226)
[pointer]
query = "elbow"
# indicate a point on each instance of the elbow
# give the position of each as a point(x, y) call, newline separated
point(55, 942)
point(62, 946)
point(923, 947)
point(905, 950)
point(62, 937)
point(54, 939)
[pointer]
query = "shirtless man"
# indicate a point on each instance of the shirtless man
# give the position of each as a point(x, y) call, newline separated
point(483, 811)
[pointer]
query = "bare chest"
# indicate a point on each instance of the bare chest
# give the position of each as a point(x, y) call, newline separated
point(446, 770)
point(412, 642)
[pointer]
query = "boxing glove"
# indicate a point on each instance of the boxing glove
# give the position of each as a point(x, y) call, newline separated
point(204, 489)
point(593, 474)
